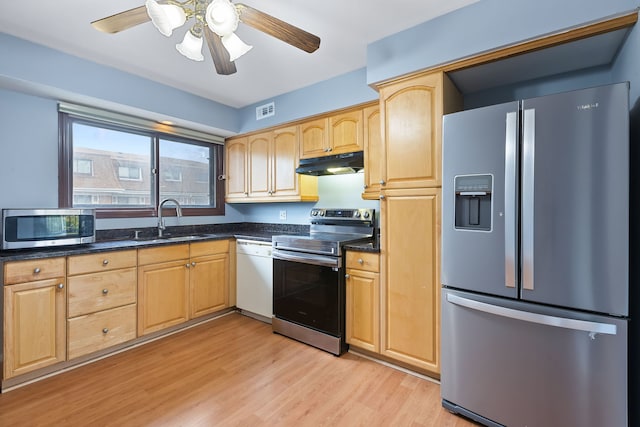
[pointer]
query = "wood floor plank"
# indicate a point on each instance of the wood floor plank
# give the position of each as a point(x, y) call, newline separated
point(232, 371)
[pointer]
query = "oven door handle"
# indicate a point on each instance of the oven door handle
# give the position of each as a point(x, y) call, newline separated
point(323, 261)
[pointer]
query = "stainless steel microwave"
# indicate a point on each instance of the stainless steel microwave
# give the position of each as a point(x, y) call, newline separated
point(38, 228)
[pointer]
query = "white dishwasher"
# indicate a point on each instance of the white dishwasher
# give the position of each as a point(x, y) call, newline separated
point(254, 279)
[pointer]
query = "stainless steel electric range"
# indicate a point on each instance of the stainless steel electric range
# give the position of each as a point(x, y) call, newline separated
point(308, 277)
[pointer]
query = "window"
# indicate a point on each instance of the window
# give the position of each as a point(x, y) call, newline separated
point(83, 166)
point(124, 171)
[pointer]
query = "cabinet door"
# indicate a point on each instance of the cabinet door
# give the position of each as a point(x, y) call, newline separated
point(372, 153)
point(259, 149)
point(314, 138)
point(284, 162)
point(34, 326)
point(411, 277)
point(236, 169)
point(346, 132)
point(162, 295)
point(362, 309)
point(209, 284)
point(412, 119)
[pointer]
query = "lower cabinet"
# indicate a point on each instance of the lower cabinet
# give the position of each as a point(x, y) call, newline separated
point(163, 283)
point(209, 277)
point(101, 301)
point(410, 283)
point(35, 298)
point(363, 300)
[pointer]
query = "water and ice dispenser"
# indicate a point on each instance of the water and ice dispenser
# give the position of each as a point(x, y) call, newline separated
point(473, 202)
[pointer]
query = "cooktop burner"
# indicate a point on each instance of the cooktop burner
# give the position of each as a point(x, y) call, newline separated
point(330, 230)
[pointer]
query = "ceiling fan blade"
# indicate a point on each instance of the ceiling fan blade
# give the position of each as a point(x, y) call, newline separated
point(221, 58)
point(279, 29)
point(122, 21)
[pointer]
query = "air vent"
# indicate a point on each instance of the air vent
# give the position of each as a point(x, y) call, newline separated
point(266, 110)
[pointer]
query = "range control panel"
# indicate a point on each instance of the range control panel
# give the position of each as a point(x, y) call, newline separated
point(347, 214)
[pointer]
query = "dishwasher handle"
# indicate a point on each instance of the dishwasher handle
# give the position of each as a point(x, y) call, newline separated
point(560, 322)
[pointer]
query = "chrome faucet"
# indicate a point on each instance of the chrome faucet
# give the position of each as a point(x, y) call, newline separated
point(161, 225)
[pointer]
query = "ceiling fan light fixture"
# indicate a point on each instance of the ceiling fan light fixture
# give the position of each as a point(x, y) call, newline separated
point(235, 46)
point(165, 17)
point(191, 47)
point(222, 17)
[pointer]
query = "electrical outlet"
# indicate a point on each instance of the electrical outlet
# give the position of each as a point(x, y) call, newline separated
point(283, 214)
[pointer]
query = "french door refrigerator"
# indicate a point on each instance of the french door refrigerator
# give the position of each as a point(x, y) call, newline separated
point(535, 260)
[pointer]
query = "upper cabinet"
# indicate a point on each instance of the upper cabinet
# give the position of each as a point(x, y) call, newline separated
point(261, 168)
point(411, 112)
point(372, 152)
point(336, 134)
point(236, 169)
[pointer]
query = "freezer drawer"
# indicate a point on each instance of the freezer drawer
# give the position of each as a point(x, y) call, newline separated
point(520, 364)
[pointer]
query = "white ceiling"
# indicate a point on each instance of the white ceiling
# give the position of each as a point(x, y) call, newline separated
point(270, 69)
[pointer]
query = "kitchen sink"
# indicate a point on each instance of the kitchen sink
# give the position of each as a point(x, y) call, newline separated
point(186, 238)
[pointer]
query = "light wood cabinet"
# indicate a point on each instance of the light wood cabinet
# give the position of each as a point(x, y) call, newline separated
point(339, 133)
point(34, 315)
point(101, 301)
point(314, 138)
point(372, 153)
point(209, 277)
point(271, 160)
point(363, 300)
point(410, 241)
point(163, 284)
point(236, 169)
point(411, 116)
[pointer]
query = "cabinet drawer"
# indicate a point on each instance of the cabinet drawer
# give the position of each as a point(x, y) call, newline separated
point(97, 331)
point(93, 263)
point(163, 254)
point(32, 270)
point(209, 247)
point(89, 293)
point(363, 261)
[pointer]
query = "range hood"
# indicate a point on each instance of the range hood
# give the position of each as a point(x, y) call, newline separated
point(332, 165)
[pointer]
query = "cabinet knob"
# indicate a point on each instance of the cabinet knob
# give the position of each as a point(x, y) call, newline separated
point(193, 264)
point(346, 276)
point(381, 196)
point(382, 182)
point(105, 291)
point(105, 262)
point(36, 270)
point(365, 186)
point(60, 285)
point(105, 330)
point(246, 193)
point(187, 265)
point(360, 261)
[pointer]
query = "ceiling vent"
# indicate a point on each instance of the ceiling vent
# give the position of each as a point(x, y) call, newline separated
point(266, 110)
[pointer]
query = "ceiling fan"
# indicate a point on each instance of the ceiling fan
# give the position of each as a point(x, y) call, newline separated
point(215, 21)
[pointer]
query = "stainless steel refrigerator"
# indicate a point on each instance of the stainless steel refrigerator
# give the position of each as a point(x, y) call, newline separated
point(535, 260)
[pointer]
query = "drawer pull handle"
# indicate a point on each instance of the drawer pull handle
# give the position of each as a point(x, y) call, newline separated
point(60, 285)
point(36, 270)
point(105, 262)
point(360, 261)
point(105, 291)
point(105, 330)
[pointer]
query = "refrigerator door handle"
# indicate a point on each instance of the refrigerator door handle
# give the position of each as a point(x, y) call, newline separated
point(528, 172)
point(510, 199)
point(560, 322)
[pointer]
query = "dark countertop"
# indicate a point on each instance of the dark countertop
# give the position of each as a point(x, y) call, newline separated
point(373, 247)
point(113, 241)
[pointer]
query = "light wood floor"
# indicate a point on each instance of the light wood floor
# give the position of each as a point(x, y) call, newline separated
point(232, 371)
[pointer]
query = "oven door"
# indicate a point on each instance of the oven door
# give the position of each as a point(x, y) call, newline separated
point(308, 290)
